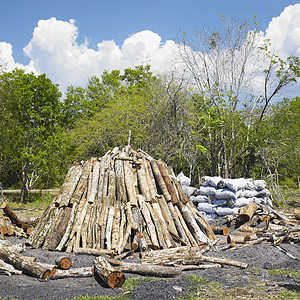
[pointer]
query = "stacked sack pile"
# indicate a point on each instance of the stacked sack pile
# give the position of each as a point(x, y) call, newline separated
point(219, 197)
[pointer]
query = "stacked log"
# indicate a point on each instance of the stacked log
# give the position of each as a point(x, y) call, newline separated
point(123, 201)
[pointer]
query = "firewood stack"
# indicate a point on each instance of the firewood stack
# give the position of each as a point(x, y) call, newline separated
point(125, 200)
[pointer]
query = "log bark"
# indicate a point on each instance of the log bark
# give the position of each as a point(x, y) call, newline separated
point(178, 224)
point(94, 182)
point(129, 183)
point(9, 269)
point(143, 183)
point(197, 233)
point(70, 187)
point(150, 226)
point(163, 226)
point(95, 252)
point(168, 182)
point(246, 213)
point(61, 228)
point(16, 247)
point(107, 273)
point(238, 238)
point(21, 263)
point(66, 235)
point(185, 227)
point(160, 181)
point(74, 272)
point(167, 215)
point(146, 270)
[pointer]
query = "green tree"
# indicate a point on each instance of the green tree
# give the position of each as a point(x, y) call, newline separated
point(30, 127)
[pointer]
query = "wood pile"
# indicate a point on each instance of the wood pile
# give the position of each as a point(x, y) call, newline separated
point(123, 201)
point(258, 224)
point(10, 224)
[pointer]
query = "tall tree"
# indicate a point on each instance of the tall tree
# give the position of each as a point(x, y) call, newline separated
point(30, 125)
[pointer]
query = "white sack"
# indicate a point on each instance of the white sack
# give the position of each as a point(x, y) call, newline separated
point(224, 211)
point(260, 184)
point(240, 202)
point(183, 179)
point(206, 207)
point(188, 190)
point(247, 194)
point(225, 194)
point(215, 181)
point(207, 190)
point(236, 184)
point(200, 199)
point(211, 216)
point(263, 193)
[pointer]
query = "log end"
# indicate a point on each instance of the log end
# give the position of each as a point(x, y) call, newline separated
point(65, 263)
point(115, 279)
point(47, 274)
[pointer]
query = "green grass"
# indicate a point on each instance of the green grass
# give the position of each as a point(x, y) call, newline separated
point(284, 272)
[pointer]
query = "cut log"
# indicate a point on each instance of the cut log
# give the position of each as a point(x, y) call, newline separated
point(185, 227)
point(150, 226)
point(74, 272)
point(70, 187)
point(9, 269)
point(143, 183)
point(162, 224)
point(225, 261)
point(129, 183)
point(63, 262)
point(16, 247)
point(94, 181)
point(238, 238)
point(246, 212)
point(107, 273)
point(28, 267)
point(95, 252)
point(60, 228)
point(146, 270)
point(66, 235)
point(169, 184)
point(220, 230)
point(160, 181)
point(198, 267)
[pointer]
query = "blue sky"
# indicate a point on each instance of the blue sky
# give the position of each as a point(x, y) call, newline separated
point(116, 20)
point(97, 21)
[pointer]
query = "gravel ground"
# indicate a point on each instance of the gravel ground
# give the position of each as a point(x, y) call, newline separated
point(254, 282)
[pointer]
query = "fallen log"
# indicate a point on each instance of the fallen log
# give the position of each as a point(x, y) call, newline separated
point(225, 261)
point(107, 273)
point(146, 270)
point(18, 247)
point(74, 272)
point(95, 252)
point(9, 269)
point(22, 263)
point(12, 216)
point(198, 267)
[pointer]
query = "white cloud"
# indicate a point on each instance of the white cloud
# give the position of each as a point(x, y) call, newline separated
point(7, 61)
point(54, 49)
point(284, 32)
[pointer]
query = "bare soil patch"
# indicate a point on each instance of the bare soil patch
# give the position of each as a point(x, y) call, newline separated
point(258, 281)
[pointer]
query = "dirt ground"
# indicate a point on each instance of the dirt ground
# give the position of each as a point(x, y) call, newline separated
point(255, 282)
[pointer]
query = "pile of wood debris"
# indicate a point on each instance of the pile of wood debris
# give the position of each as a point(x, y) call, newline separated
point(257, 224)
point(125, 200)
